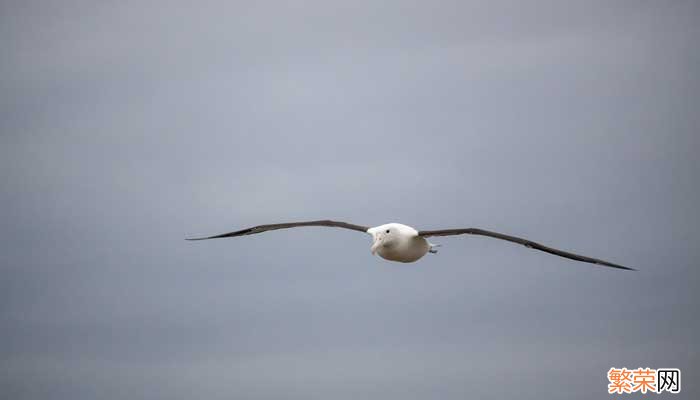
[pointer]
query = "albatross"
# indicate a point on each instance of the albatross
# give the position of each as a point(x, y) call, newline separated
point(402, 243)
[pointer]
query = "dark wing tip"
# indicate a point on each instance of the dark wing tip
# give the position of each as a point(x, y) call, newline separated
point(607, 264)
point(208, 237)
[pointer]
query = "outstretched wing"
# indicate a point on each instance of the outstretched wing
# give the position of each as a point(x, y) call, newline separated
point(524, 242)
point(272, 227)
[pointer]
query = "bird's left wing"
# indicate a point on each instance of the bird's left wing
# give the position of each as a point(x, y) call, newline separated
point(524, 242)
point(272, 227)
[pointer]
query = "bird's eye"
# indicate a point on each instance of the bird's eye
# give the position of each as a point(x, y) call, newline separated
point(387, 231)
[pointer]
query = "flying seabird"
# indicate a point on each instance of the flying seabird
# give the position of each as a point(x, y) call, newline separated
point(398, 242)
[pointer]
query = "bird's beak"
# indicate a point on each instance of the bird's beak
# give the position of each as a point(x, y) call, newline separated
point(375, 246)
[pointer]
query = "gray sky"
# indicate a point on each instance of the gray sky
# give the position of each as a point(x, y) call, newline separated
point(125, 127)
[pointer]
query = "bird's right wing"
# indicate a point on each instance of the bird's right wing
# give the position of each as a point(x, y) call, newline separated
point(286, 225)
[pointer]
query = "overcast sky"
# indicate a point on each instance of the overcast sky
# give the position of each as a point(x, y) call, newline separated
point(125, 127)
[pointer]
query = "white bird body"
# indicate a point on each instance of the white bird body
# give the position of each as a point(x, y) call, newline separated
point(398, 242)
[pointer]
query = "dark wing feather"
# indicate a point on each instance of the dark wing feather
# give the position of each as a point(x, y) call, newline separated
point(524, 242)
point(272, 227)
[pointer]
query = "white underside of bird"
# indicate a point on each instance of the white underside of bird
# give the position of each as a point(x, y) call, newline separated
point(399, 242)
point(402, 243)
